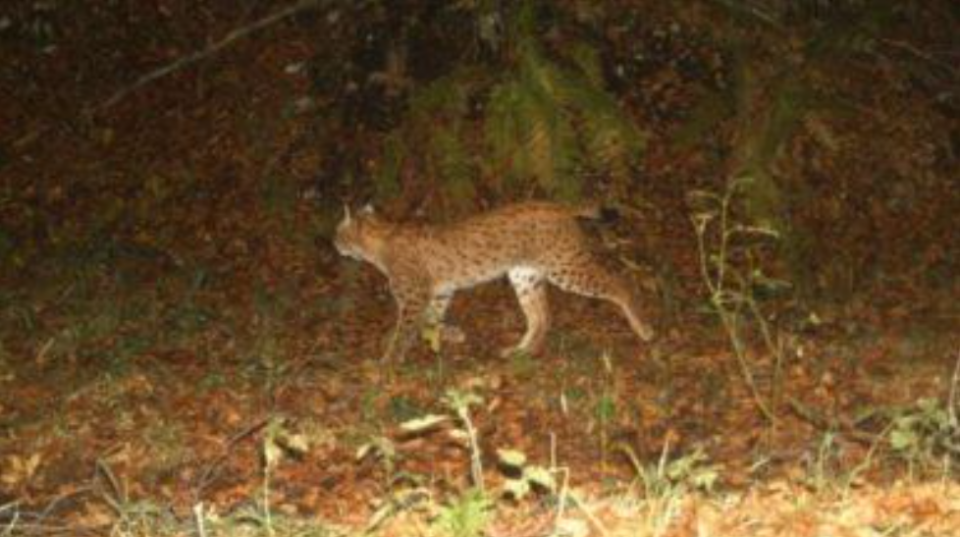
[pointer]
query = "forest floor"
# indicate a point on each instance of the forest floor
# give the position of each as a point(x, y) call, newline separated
point(142, 411)
point(190, 356)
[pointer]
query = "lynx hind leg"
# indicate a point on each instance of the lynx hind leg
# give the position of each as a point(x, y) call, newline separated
point(530, 286)
point(588, 277)
point(630, 305)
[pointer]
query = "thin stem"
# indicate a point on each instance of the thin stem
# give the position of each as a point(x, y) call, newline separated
point(210, 49)
point(476, 465)
point(952, 398)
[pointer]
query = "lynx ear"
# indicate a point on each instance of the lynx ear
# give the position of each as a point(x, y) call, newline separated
point(368, 209)
point(346, 213)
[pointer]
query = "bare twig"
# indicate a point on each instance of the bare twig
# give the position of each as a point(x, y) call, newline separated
point(718, 285)
point(210, 472)
point(844, 426)
point(73, 530)
point(922, 55)
point(212, 48)
point(62, 498)
point(952, 398)
point(199, 517)
point(591, 516)
point(116, 494)
point(12, 520)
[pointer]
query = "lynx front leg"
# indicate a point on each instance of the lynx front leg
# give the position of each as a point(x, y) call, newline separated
point(531, 291)
point(411, 312)
point(438, 308)
point(436, 313)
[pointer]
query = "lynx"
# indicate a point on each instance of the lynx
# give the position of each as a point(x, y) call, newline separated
point(530, 243)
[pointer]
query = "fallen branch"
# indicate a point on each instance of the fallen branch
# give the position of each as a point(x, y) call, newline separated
point(212, 48)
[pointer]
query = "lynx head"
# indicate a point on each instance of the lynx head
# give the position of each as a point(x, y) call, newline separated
point(360, 236)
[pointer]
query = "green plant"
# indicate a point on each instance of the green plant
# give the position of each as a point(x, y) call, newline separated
point(606, 406)
point(675, 477)
point(436, 333)
point(518, 119)
point(731, 273)
point(460, 402)
point(466, 516)
point(457, 517)
point(665, 483)
point(247, 521)
point(271, 453)
point(825, 471)
point(521, 477)
point(776, 59)
point(165, 441)
point(822, 469)
point(133, 517)
point(926, 434)
point(384, 451)
point(9, 519)
point(267, 360)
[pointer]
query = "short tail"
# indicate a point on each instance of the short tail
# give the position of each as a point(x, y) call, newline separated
point(604, 213)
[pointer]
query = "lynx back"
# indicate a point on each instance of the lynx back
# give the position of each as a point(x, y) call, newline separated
point(531, 244)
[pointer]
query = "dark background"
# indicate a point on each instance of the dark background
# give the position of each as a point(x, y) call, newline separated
point(171, 173)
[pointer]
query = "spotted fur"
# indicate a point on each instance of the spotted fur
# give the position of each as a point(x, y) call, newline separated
point(530, 243)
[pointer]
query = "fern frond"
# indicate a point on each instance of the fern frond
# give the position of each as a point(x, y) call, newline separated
point(543, 123)
point(611, 140)
point(503, 132)
point(386, 178)
point(713, 108)
point(453, 165)
point(587, 60)
point(551, 140)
